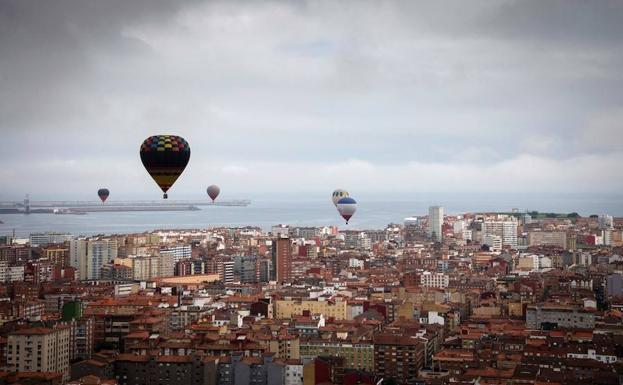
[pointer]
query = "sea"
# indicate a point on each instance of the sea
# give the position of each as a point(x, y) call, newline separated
point(374, 212)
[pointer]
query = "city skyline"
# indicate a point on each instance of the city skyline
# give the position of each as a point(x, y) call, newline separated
point(505, 97)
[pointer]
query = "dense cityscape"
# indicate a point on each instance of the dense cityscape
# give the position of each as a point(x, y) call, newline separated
point(475, 298)
point(311, 192)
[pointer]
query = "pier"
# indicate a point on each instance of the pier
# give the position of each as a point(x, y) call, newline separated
point(83, 207)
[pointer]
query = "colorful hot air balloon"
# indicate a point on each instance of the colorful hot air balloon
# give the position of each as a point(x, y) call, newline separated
point(346, 207)
point(103, 193)
point(338, 194)
point(213, 191)
point(165, 157)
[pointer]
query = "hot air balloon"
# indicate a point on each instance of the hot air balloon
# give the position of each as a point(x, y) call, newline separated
point(165, 157)
point(103, 193)
point(347, 207)
point(338, 194)
point(213, 191)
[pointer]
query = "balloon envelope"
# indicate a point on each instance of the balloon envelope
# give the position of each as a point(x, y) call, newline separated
point(347, 207)
point(165, 157)
point(103, 193)
point(338, 194)
point(213, 191)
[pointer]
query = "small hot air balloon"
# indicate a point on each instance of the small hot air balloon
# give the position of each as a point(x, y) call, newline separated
point(213, 191)
point(165, 157)
point(337, 195)
point(103, 193)
point(347, 207)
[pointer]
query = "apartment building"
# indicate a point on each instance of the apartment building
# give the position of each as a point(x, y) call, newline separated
point(40, 349)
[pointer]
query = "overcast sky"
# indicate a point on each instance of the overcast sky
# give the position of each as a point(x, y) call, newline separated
point(306, 96)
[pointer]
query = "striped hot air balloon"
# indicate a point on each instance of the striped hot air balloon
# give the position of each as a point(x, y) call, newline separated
point(347, 207)
point(165, 157)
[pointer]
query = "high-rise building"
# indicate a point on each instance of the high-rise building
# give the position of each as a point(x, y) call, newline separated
point(226, 271)
point(282, 260)
point(99, 253)
point(78, 257)
point(39, 349)
point(265, 270)
point(493, 241)
point(606, 221)
point(506, 229)
point(412, 228)
point(88, 256)
point(248, 269)
point(435, 222)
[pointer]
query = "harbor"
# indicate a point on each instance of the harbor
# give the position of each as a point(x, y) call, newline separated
point(84, 207)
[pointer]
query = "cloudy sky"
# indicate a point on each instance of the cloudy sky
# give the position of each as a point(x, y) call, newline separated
point(305, 96)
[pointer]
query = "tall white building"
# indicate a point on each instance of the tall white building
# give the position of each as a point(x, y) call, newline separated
point(226, 272)
point(435, 222)
point(89, 255)
point(606, 221)
point(505, 229)
point(78, 257)
point(99, 253)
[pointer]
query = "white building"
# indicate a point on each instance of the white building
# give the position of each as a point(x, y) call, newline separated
point(429, 279)
point(88, 255)
point(355, 263)
point(280, 231)
point(591, 354)
point(226, 272)
point(178, 252)
point(606, 221)
point(357, 240)
point(43, 239)
point(78, 257)
point(506, 229)
point(15, 274)
point(294, 373)
point(99, 253)
point(493, 241)
point(435, 222)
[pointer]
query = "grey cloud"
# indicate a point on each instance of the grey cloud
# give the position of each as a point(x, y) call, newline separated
point(387, 83)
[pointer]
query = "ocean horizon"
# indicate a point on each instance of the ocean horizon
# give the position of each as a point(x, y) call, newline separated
point(373, 212)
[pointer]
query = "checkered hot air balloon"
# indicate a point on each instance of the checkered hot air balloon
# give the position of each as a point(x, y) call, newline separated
point(338, 194)
point(165, 157)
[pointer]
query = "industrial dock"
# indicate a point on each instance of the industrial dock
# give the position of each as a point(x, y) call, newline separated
point(83, 207)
